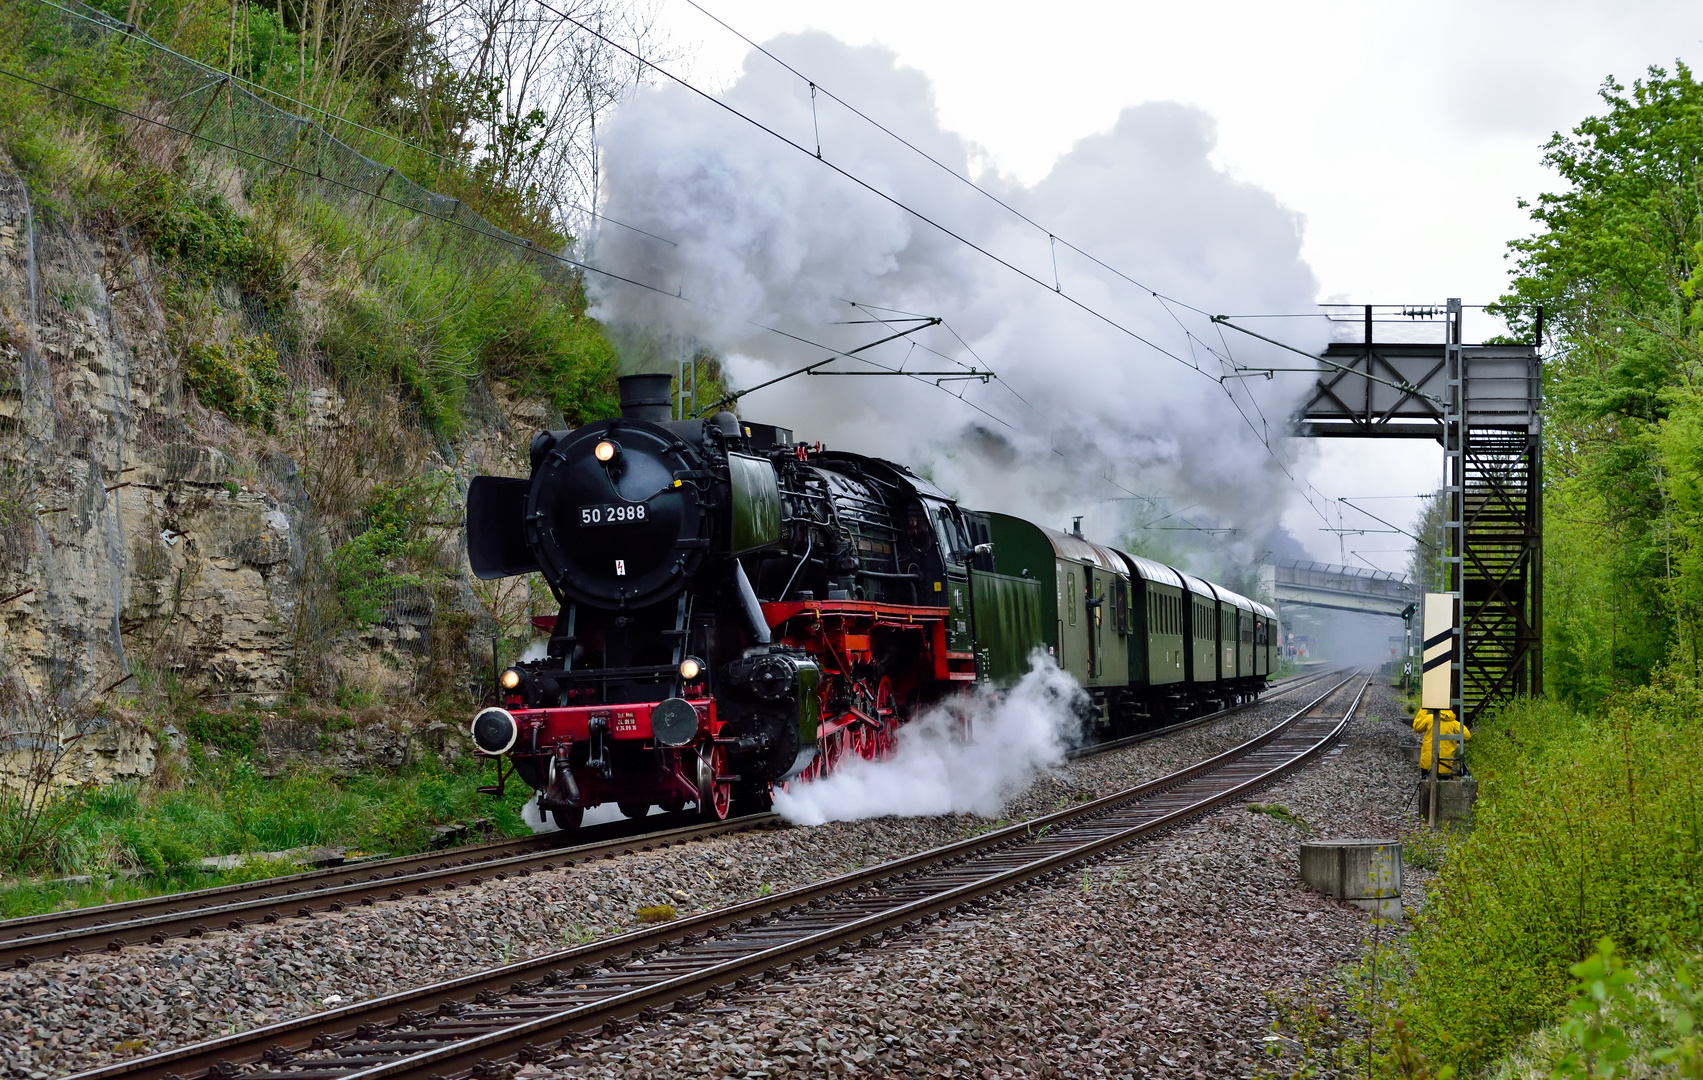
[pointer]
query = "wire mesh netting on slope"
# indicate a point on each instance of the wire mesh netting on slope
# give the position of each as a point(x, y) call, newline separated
point(224, 116)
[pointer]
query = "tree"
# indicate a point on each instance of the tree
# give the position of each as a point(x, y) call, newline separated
point(1425, 565)
point(1615, 268)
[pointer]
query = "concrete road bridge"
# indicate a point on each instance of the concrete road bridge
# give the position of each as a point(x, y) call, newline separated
point(1343, 588)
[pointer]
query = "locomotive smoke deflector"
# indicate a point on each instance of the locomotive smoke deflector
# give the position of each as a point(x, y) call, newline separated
point(496, 542)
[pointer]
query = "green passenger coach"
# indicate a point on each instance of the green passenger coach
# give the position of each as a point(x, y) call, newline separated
point(1148, 642)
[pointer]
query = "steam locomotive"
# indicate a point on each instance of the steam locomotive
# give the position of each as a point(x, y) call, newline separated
point(740, 609)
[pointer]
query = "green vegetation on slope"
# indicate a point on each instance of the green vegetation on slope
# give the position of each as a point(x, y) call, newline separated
point(275, 288)
point(401, 303)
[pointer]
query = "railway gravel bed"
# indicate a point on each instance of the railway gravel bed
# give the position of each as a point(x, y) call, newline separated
point(65, 1015)
point(1168, 961)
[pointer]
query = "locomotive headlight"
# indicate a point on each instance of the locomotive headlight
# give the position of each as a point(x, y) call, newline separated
point(691, 668)
point(605, 451)
point(510, 679)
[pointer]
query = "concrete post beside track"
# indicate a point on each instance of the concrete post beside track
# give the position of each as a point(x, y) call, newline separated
point(1366, 873)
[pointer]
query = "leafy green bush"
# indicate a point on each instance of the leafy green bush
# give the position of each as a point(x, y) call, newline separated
point(241, 379)
point(237, 732)
point(1585, 828)
point(198, 231)
point(1624, 1020)
point(386, 554)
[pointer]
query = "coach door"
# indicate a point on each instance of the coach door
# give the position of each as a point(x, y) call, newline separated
point(1107, 602)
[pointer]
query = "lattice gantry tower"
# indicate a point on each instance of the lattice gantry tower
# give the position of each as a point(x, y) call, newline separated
point(1483, 404)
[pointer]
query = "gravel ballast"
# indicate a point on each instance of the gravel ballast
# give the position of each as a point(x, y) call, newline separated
point(63, 1016)
point(1169, 961)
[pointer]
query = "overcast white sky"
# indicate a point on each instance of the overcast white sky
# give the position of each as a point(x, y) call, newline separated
point(1404, 133)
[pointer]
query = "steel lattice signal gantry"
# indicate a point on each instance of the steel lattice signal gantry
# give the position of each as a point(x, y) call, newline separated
point(1483, 403)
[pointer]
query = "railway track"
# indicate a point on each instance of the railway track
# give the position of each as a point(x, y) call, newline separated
point(154, 920)
point(539, 1008)
point(1272, 692)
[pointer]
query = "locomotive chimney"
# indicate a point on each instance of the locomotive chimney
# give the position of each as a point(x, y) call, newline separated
point(647, 397)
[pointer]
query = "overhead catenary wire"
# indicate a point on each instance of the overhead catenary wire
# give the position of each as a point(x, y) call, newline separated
point(1150, 500)
point(262, 90)
point(677, 293)
point(1263, 436)
point(864, 184)
point(1344, 500)
point(525, 246)
point(1052, 238)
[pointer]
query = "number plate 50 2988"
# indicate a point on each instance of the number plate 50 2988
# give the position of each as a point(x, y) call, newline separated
point(612, 514)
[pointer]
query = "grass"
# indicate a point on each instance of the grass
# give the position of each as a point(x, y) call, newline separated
point(1426, 850)
point(226, 808)
point(1281, 813)
point(384, 299)
point(35, 897)
point(657, 913)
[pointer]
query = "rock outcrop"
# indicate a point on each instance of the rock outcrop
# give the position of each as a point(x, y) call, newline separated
point(143, 537)
point(127, 533)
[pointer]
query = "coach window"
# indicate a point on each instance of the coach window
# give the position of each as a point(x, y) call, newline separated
point(1070, 591)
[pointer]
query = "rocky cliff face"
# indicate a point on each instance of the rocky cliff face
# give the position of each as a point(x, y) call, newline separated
point(143, 537)
point(131, 532)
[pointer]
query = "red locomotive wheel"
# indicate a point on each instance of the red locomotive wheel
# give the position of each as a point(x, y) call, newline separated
point(887, 711)
point(886, 701)
point(834, 751)
point(715, 789)
point(829, 750)
point(866, 740)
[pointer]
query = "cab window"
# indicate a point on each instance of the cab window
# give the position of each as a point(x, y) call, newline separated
point(948, 533)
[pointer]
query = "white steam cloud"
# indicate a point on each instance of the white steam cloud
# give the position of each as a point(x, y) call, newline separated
point(1015, 735)
point(536, 819)
point(763, 233)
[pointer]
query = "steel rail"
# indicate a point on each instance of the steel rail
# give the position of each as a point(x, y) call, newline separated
point(469, 1023)
point(156, 919)
point(1274, 691)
